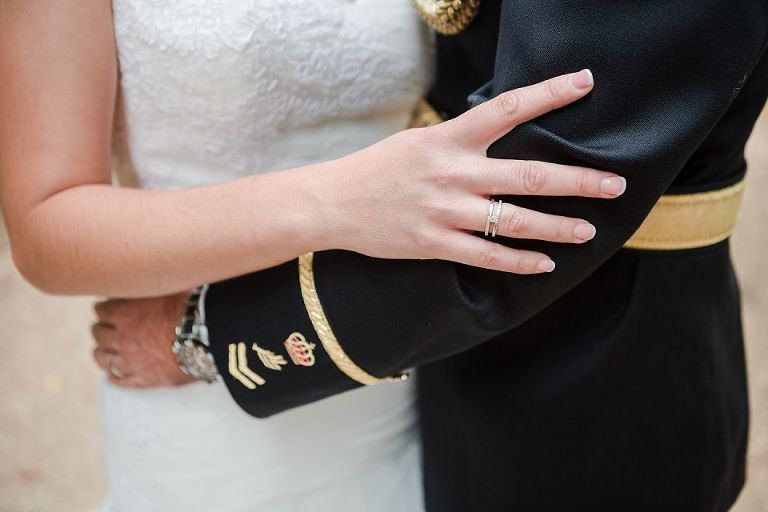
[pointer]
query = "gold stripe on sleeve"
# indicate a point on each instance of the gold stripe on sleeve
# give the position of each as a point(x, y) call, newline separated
point(323, 327)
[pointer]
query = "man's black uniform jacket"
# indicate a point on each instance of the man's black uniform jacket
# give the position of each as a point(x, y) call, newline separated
point(616, 382)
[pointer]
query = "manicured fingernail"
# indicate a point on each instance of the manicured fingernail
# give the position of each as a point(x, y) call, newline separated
point(545, 265)
point(584, 231)
point(583, 79)
point(614, 186)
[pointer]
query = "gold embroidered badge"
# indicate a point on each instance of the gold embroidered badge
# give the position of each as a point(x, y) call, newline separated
point(299, 350)
point(269, 358)
point(239, 369)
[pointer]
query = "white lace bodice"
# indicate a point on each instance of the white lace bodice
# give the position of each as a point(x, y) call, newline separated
point(216, 89)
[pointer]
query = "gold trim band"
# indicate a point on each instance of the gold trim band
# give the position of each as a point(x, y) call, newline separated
point(689, 221)
point(323, 327)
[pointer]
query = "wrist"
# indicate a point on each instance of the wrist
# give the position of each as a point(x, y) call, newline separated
point(309, 214)
point(336, 204)
point(190, 343)
point(318, 221)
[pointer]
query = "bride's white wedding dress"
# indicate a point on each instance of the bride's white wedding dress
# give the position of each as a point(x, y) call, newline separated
point(216, 89)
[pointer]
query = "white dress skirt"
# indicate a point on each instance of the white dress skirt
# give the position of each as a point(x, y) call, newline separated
point(212, 90)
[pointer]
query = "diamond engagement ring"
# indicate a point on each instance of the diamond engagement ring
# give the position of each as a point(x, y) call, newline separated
point(494, 214)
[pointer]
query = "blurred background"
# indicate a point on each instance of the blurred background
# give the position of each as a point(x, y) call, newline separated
point(50, 435)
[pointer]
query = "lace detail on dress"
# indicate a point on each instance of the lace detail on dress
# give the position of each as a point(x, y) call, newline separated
point(224, 80)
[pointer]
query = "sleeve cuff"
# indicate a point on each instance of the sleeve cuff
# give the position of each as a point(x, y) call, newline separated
point(272, 343)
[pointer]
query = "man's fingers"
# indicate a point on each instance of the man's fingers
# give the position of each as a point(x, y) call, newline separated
point(102, 357)
point(106, 336)
point(139, 381)
point(111, 362)
point(495, 177)
point(481, 126)
point(133, 382)
point(105, 309)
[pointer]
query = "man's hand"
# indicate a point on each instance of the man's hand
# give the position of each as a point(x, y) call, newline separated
point(134, 338)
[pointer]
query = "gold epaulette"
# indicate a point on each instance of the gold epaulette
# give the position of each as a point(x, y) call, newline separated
point(448, 17)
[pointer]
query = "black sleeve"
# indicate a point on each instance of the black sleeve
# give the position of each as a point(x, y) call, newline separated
point(665, 73)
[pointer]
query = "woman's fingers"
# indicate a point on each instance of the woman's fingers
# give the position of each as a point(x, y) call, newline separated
point(481, 126)
point(492, 177)
point(477, 252)
point(517, 222)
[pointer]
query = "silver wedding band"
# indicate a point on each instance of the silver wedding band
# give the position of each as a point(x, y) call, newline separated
point(494, 214)
point(113, 369)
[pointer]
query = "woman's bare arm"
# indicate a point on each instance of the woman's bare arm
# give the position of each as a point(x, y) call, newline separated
point(414, 195)
point(71, 231)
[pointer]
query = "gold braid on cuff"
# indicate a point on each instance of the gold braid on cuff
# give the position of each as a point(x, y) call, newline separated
point(324, 331)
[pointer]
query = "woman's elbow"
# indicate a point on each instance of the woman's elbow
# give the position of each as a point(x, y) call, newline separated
point(31, 264)
point(28, 268)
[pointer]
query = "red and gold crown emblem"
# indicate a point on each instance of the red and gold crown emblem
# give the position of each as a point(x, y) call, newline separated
point(299, 350)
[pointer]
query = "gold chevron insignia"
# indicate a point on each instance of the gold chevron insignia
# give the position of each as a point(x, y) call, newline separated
point(269, 358)
point(239, 369)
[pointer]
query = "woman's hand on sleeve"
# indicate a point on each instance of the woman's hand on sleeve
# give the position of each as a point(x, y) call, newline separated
point(421, 193)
